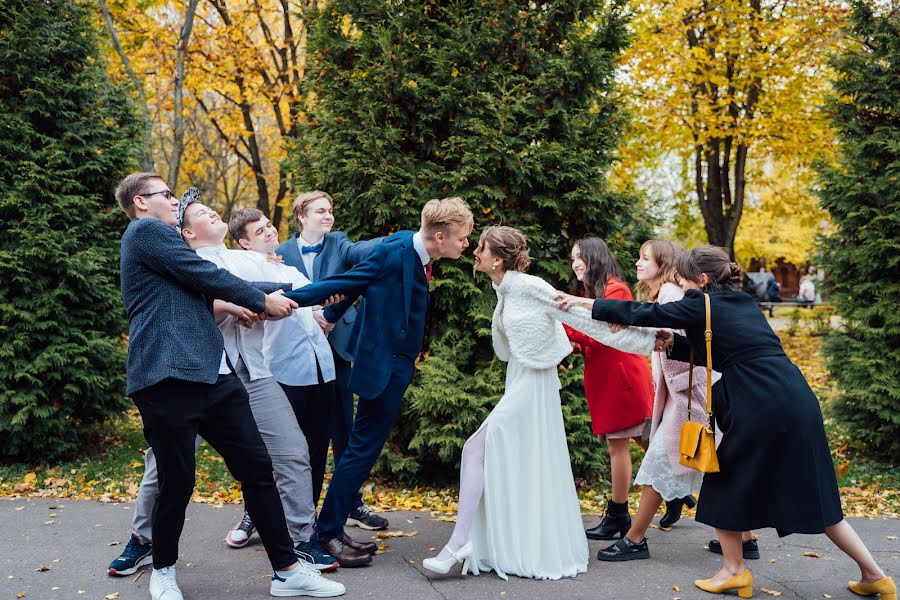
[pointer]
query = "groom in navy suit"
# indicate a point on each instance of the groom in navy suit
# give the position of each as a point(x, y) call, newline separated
point(393, 280)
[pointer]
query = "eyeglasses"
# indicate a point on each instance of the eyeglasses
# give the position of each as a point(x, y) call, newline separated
point(167, 194)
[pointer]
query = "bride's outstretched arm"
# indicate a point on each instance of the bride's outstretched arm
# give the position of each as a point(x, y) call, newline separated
point(637, 340)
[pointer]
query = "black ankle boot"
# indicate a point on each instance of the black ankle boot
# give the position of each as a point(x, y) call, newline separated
point(673, 511)
point(616, 521)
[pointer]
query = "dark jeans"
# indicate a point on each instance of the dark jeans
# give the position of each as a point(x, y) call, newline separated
point(312, 406)
point(374, 418)
point(342, 415)
point(173, 413)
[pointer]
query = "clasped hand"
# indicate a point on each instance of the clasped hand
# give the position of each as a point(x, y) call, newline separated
point(664, 337)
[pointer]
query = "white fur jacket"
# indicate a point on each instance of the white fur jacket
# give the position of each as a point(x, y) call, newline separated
point(527, 325)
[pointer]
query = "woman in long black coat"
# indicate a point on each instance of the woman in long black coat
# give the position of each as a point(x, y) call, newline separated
point(775, 465)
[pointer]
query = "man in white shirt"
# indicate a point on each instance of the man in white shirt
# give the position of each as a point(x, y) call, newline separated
point(205, 232)
point(296, 350)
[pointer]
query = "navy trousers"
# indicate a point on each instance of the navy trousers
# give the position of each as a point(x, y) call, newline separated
point(374, 419)
point(342, 415)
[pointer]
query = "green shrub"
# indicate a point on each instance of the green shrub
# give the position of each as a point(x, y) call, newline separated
point(862, 255)
point(510, 106)
point(66, 137)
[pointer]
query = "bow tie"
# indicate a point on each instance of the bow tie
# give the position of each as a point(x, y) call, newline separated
point(272, 257)
point(311, 249)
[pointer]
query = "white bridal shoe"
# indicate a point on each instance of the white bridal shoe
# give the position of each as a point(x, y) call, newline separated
point(444, 566)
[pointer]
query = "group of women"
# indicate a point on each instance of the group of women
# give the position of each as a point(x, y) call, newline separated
point(775, 465)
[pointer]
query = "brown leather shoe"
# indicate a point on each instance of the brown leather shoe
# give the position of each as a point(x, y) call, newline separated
point(347, 557)
point(369, 548)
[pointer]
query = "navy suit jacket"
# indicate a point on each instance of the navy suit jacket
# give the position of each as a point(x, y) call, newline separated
point(385, 280)
point(338, 254)
point(168, 290)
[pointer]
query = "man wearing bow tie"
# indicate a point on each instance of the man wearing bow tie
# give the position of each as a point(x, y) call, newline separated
point(317, 252)
point(393, 280)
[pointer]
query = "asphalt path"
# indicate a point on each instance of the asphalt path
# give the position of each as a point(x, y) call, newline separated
point(59, 549)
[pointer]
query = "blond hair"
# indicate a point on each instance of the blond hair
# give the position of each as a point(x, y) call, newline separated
point(665, 254)
point(302, 202)
point(441, 215)
point(508, 244)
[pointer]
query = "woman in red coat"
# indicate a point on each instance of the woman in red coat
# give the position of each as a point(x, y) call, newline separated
point(618, 385)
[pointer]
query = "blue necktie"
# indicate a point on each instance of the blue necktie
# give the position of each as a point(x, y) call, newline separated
point(311, 249)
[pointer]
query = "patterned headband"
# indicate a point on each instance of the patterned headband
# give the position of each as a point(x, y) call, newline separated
point(189, 197)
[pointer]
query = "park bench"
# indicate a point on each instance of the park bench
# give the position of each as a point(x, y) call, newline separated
point(770, 306)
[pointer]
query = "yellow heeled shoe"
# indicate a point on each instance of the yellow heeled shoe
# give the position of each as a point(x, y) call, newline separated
point(884, 587)
point(742, 582)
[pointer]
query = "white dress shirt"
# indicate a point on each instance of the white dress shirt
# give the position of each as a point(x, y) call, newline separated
point(310, 257)
point(286, 349)
point(237, 342)
point(292, 346)
point(419, 245)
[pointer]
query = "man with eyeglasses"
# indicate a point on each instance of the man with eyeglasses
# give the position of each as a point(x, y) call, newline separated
point(182, 384)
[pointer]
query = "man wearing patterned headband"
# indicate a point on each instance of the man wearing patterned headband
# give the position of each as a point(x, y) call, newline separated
point(180, 387)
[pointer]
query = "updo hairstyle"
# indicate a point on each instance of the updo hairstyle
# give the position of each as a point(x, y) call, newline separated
point(723, 273)
point(507, 244)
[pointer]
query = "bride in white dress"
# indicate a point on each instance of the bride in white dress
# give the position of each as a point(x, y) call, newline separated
point(518, 510)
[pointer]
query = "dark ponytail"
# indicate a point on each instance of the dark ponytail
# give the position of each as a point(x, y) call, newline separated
point(723, 273)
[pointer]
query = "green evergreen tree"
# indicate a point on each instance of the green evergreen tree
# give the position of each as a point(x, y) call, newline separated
point(66, 135)
point(508, 105)
point(862, 256)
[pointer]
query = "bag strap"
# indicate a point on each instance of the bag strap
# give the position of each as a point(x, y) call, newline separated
point(690, 384)
point(708, 334)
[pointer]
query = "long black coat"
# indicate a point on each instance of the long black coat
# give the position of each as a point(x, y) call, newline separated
point(776, 468)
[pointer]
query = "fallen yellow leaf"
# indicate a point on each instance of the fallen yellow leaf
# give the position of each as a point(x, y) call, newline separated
point(112, 596)
point(30, 478)
point(771, 592)
point(811, 554)
point(42, 568)
point(676, 588)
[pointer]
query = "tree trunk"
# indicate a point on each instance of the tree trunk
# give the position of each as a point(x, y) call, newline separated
point(178, 117)
point(146, 158)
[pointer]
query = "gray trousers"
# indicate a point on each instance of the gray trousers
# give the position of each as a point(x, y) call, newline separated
point(287, 448)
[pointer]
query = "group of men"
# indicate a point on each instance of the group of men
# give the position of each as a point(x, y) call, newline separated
point(220, 349)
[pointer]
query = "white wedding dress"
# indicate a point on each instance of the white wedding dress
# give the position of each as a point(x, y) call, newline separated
point(528, 522)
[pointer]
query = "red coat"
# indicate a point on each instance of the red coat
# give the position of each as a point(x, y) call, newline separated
point(618, 385)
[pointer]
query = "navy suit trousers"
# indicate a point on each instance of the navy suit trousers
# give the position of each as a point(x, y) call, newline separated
point(342, 414)
point(374, 419)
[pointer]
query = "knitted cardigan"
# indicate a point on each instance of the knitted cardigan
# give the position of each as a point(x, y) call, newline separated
point(527, 324)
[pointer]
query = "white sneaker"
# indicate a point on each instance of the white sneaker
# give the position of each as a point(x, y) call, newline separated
point(163, 585)
point(305, 581)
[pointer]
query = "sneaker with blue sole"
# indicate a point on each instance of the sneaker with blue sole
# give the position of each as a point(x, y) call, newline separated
point(311, 553)
point(135, 556)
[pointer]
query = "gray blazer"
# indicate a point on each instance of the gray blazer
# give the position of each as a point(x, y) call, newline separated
point(168, 291)
point(338, 254)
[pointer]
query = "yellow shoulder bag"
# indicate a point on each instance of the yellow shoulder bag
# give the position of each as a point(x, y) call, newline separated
point(698, 440)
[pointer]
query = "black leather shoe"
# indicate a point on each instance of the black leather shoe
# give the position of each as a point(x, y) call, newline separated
point(624, 549)
point(750, 548)
point(369, 548)
point(673, 511)
point(615, 523)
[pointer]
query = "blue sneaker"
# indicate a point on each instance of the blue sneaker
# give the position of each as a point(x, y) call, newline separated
point(311, 552)
point(135, 556)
